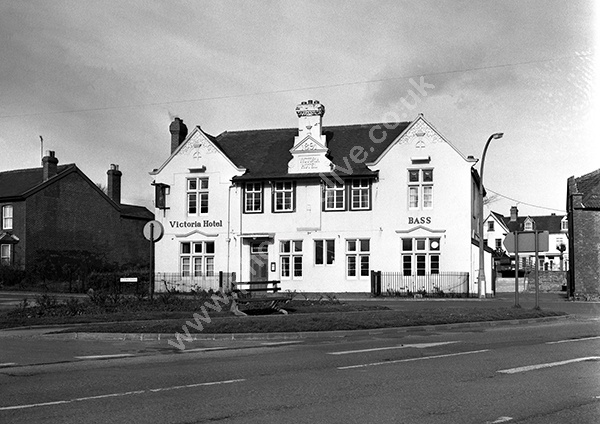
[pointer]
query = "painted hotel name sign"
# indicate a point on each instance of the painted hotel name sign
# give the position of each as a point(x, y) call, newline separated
point(207, 223)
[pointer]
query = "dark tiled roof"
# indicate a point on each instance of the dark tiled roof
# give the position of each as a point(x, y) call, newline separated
point(18, 182)
point(550, 223)
point(589, 186)
point(136, 212)
point(266, 153)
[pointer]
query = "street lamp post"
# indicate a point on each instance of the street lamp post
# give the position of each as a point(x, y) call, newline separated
point(481, 278)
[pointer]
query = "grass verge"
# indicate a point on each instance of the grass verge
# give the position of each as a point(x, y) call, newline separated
point(332, 321)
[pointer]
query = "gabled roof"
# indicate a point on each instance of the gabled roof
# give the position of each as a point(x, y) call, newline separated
point(589, 186)
point(21, 182)
point(266, 153)
point(498, 217)
point(550, 223)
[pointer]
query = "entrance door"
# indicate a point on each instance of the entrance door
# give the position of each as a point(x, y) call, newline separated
point(259, 260)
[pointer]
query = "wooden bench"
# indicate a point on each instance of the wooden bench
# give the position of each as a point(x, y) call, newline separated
point(244, 296)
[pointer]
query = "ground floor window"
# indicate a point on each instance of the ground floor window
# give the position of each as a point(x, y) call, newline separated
point(5, 254)
point(421, 256)
point(290, 258)
point(197, 259)
point(357, 257)
point(324, 252)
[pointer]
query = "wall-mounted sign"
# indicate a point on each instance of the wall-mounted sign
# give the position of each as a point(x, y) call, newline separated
point(207, 223)
point(412, 220)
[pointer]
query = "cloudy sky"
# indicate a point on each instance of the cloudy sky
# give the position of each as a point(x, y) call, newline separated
point(102, 80)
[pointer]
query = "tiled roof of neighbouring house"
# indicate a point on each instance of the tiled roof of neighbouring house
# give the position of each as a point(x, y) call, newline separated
point(18, 182)
point(550, 223)
point(266, 153)
point(589, 186)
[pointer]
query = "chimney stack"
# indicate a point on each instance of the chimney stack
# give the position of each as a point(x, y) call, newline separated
point(50, 165)
point(514, 214)
point(114, 183)
point(178, 133)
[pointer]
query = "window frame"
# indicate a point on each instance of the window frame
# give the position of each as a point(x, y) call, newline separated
point(360, 189)
point(274, 193)
point(192, 251)
point(419, 255)
point(289, 258)
point(357, 256)
point(336, 190)
point(420, 191)
point(200, 193)
point(327, 249)
point(259, 193)
point(6, 254)
point(8, 217)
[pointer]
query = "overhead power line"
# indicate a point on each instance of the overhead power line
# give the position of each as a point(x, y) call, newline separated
point(290, 90)
point(525, 203)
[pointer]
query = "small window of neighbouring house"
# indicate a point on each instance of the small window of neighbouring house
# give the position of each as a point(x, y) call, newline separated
point(7, 217)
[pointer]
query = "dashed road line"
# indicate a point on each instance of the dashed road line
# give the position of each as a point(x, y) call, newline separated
point(500, 420)
point(115, 356)
point(547, 365)
point(574, 340)
point(8, 364)
point(372, 364)
point(402, 346)
point(281, 343)
point(122, 394)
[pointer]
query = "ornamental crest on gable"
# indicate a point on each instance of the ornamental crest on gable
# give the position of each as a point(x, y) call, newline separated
point(197, 146)
point(420, 134)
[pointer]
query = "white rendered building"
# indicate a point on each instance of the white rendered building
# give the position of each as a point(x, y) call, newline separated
point(317, 208)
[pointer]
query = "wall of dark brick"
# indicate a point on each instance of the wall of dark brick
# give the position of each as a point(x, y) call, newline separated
point(586, 251)
point(72, 216)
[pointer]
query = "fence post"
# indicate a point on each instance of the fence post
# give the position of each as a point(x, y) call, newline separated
point(221, 281)
point(373, 283)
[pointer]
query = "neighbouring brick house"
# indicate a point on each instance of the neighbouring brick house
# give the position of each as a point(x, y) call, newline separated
point(55, 216)
point(583, 211)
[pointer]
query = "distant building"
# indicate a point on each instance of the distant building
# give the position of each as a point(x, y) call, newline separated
point(496, 226)
point(583, 211)
point(318, 208)
point(55, 216)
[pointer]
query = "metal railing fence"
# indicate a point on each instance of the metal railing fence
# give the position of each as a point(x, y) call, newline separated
point(443, 284)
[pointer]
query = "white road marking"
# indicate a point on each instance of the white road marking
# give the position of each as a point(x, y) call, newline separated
point(135, 392)
point(7, 364)
point(281, 343)
point(548, 365)
point(500, 420)
point(574, 340)
point(416, 345)
point(412, 359)
point(119, 355)
point(202, 349)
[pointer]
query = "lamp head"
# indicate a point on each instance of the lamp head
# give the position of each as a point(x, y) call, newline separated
point(497, 136)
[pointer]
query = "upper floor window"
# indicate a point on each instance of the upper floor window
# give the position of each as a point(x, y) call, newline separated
point(420, 188)
point(490, 225)
point(253, 198)
point(335, 196)
point(360, 194)
point(564, 224)
point(7, 217)
point(283, 196)
point(528, 226)
point(197, 195)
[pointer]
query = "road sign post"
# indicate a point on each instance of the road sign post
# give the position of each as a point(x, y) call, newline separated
point(527, 241)
point(153, 231)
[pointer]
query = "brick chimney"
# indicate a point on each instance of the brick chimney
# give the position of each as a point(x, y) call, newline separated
point(50, 165)
point(514, 214)
point(178, 133)
point(114, 183)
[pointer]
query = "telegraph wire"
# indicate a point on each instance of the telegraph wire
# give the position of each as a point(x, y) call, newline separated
point(290, 90)
point(525, 203)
